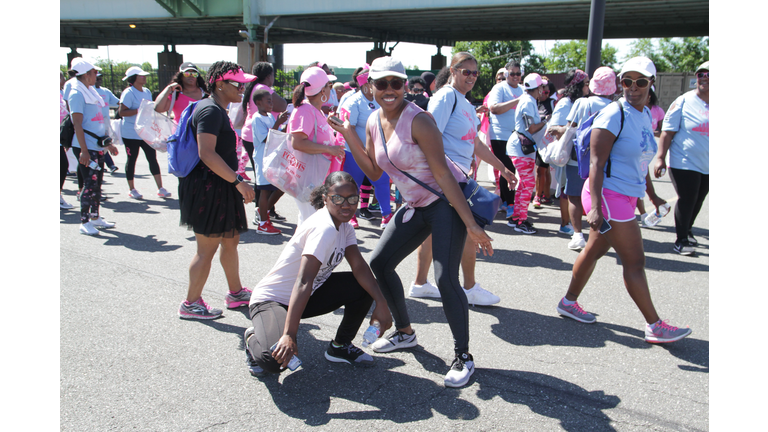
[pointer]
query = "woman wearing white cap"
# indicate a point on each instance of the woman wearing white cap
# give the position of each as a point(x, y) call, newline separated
point(309, 126)
point(527, 123)
point(618, 176)
point(211, 197)
point(187, 86)
point(685, 134)
point(130, 101)
point(85, 106)
point(401, 136)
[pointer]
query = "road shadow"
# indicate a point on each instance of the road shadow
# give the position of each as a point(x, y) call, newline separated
point(137, 243)
point(576, 408)
point(533, 329)
point(525, 258)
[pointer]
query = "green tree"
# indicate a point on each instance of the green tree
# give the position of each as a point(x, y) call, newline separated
point(647, 48)
point(684, 54)
point(566, 55)
point(492, 55)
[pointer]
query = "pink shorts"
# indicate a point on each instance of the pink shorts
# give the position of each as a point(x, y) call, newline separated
point(616, 207)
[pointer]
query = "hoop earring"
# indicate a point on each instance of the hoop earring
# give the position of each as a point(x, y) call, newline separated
point(323, 98)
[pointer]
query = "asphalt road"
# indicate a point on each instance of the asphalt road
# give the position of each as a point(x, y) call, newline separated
point(127, 362)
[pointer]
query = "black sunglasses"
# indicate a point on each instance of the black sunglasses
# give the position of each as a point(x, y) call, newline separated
point(641, 82)
point(339, 200)
point(515, 74)
point(381, 84)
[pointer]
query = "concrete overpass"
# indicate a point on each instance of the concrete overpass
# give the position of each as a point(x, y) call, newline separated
point(88, 23)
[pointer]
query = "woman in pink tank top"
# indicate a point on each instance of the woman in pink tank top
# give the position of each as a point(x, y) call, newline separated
point(401, 135)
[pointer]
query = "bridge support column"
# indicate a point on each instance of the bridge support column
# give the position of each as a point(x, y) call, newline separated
point(71, 55)
point(595, 38)
point(438, 60)
point(377, 51)
point(277, 52)
point(168, 63)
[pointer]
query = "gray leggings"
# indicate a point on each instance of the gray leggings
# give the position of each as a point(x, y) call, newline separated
point(400, 239)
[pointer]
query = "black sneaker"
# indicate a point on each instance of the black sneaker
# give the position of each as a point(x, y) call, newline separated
point(525, 227)
point(366, 214)
point(274, 216)
point(691, 240)
point(683, 247)
point(349, 354)
point(462, 368)
point(253, 368)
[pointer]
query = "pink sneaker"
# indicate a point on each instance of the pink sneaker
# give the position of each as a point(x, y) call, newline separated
point(385, 220)
point(241, 298)
point(354, 223)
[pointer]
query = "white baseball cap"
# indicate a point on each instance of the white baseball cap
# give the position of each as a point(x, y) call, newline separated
point(387, 66)
point(81, 66)
point(134, 70)
point(704, 66)
point(643, 65)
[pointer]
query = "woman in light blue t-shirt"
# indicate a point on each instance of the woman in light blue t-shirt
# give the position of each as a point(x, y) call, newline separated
point(618, 176)
point(130, 101)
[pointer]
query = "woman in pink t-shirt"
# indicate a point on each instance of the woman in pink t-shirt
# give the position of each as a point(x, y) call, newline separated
point(309, 126)
point(188, 86)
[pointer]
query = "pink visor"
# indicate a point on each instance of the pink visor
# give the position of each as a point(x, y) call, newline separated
point(238, 76)
point(362, 78)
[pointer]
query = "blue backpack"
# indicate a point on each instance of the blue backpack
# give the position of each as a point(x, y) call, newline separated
point(183, 155)
point(582, 141)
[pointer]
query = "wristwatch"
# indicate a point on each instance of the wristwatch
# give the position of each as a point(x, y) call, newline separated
point(238, 179)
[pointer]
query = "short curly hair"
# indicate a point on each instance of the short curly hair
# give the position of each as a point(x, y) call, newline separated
point(336, 177)
point(217, 70)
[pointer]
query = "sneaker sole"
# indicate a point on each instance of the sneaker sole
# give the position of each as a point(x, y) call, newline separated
point(573, 317)
point(685, 253)
point(268, 233)
point(89, 234)
point(575, 247)
point(483, 304)
point(422, 295)
point(200, 317)
point(462, 383)
point(655, 340)
point(238, 304)
point(333, 359)
point(389, 347)
point(525, 231)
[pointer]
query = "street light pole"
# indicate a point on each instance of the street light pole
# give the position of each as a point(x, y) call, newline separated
point(595, 41)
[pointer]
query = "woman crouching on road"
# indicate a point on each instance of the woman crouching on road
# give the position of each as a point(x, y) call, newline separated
point(302, 284)
point(401, 136)
point(610, 200)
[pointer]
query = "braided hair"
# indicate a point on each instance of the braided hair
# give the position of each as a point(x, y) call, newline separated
point(336, 177)
point(216, 71)
point(262, 70)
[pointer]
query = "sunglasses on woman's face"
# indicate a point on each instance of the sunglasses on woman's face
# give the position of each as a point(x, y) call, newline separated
point(339, 200)
point(191, 74)
point(703, 74)
point(382, 84)
point(467, 72)
point(240, 86)
point(641, 82)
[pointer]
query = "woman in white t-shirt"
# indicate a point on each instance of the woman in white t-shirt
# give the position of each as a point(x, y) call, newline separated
point(302, 284)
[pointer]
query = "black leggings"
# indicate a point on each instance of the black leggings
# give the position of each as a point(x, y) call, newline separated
point(340, 289)
point(499, 148)
point(400, 239)
point(63, 166)
point(691, 187)
point(90, 197)
point(132, 147)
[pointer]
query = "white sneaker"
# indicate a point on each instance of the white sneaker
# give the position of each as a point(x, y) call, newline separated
point(479, 296)
point(395, 340)
point(462, 368)
point(63, 204)
point(577, 242)
point(88, 229)
point(101, 223)
point(162, 193)
point(134, 194)
point(424, 291)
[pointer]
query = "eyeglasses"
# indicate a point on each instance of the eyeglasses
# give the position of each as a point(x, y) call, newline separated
point(703, 74)
point(240, 86)
point(641, 82)
point(467, 72)
point(191, 74)
point(339, 200)
point(382, 84)
point(515, 74)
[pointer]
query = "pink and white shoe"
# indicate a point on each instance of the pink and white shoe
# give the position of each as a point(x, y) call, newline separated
point(354, 223)
point(385, 220)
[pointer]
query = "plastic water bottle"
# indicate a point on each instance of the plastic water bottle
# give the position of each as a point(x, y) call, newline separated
point(371, 334)
point(295, 361)
point(654, 218)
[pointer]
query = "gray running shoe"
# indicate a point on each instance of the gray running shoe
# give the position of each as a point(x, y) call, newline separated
point(198, 310)
point(575, 311)
point(349, 354)
point(665, 333)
